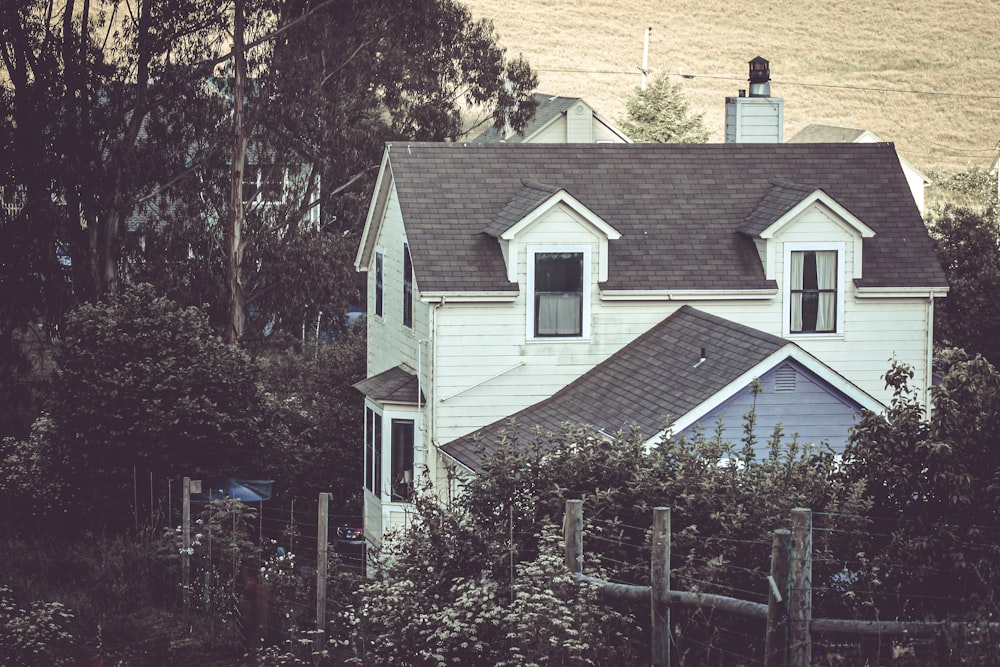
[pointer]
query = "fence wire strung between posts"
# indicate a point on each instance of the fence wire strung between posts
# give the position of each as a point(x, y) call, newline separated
point(272, 559)
point(781, 609)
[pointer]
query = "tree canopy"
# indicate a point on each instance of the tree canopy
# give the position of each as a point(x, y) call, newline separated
point(661, 114)
point(144, 385)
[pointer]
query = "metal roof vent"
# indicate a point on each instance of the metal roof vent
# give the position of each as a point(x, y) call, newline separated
point(784, 379)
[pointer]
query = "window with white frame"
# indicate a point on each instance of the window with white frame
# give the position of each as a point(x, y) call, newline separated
point(373, 452)
point(559, 305)
point(814, 288)
point(265, 182)
point(407, 288)
point(401, 460)
point(379, 280)
point(389, 455)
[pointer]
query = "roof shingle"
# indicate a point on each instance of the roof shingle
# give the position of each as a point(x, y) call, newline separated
point(655, 377)
point(680, 208)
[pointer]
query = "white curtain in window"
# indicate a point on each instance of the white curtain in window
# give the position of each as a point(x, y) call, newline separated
point(797, 260)
point(559, 314)
point(826, 279)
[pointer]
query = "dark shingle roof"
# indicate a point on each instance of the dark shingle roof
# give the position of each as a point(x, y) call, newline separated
point(547, 107)
point(779, 200)
point(679, 207)
point(825, 134)
point(527, 199)
point(396, 385)
point(646, 382)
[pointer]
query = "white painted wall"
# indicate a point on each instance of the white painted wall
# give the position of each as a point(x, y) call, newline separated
point(755, 120)
point(389, 342)
point(488, 368)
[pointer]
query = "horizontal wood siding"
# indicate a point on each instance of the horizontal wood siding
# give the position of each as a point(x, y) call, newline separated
point(389, 342)
point(486, 367)
point(811, 412)
point(754, 120)
point(579, 124)
point(553, 133)
point(604, 133)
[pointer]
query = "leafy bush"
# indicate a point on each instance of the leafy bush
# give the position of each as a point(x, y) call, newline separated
point(36, 636)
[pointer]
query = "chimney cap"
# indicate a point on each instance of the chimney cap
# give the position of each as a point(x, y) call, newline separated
point(760, 77)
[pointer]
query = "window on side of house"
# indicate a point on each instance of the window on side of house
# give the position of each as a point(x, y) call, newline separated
point(815, 290)
point(379, 278)
point(407, 288)
point(401, 455)
point(373, 452)
point(559, 292)
point(265, 183)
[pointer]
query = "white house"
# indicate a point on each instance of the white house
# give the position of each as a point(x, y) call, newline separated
point(613, 285)
point(559, 120)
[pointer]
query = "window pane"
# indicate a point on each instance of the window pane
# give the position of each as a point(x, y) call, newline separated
point(402, 459)
point(373, 451)
point(813, 292)
point(379, 260)
point(407, 288)
point(559, 294)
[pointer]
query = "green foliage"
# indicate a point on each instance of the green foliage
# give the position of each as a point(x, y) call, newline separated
point(968, 246)
point(661, 114)
point(433, 602)
point(145, 385)
point(935, 482)
point(38, 636)
point(313, 442)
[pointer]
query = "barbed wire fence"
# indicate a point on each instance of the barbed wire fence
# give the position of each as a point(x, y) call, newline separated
point(769, 619)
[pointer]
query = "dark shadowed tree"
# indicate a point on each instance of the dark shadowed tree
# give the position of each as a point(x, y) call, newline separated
point(968, 245)
point(145, 386)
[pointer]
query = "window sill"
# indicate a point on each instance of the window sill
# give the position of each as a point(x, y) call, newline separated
point(836, 335)
point(558, 340)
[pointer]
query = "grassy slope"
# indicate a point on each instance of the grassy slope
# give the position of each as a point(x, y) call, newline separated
point(945, 46)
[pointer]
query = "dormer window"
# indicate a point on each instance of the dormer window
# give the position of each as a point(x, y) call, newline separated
point(559, 291)
point(814, 288)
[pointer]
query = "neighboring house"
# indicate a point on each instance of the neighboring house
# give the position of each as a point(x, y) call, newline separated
point(559, 120)
point(816, 134)
point(648, 284)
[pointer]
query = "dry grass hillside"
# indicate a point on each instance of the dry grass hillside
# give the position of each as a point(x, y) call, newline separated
point(833, 63)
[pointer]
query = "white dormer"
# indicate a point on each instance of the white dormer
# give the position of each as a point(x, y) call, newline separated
point(536, 202)
point(814, 245)
point(551, 245)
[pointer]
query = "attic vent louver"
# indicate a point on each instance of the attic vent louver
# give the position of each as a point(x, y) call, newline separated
point(784, 379)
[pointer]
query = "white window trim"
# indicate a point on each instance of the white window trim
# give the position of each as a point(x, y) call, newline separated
point(530, 292)
point(786, 308)
point(389, 414)
point(378, 254)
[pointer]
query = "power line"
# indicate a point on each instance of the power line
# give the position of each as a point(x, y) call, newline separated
point(688, 75)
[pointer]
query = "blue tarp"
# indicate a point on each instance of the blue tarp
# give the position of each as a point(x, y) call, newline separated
point(247, 490)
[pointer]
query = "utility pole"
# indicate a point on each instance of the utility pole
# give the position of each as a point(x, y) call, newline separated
point(645, 58)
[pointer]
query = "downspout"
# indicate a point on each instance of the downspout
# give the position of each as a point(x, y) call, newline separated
point(430, 442)
point(929, 370)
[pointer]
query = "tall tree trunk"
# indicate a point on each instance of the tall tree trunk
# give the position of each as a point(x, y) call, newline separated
point(234, 226)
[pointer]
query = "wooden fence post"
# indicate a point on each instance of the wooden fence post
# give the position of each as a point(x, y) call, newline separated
point(186, 543)
point(322, 560)
point(776, 642)
point(573, 536)
point(659, 587)
point(800, 588)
